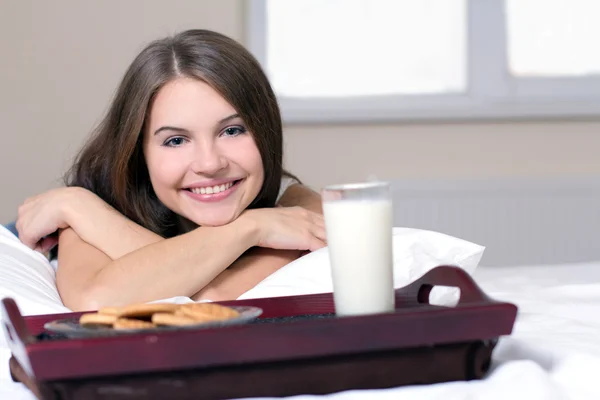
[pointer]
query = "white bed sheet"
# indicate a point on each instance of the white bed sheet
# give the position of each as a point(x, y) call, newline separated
point(553, 353)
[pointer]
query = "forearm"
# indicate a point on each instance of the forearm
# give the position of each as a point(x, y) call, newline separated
point(180, 266)
point(253, 267)
point(98, 228)
point(246, 272)
point(110, 231)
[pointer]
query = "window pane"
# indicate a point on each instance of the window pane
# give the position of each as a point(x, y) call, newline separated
point(334, 48)
point(553, 37)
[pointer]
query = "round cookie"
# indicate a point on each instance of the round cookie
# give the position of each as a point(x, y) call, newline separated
point(170, 319)
point(97, 319)
point(207, 311)
point(110, 310)
point(127, 323)
point(141, 310)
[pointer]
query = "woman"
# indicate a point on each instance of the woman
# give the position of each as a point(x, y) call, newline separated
point(177, 185)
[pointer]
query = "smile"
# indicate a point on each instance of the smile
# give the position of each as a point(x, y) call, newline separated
point(213, 193)
point(212, 189)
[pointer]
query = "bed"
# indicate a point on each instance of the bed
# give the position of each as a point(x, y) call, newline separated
point(554, 352)
point(553, 276)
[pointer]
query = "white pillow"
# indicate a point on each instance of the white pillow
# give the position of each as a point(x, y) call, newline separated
point(27, 277)
point(415, 252)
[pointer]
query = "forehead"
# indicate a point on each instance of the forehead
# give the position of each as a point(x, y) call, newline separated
point(188, 102)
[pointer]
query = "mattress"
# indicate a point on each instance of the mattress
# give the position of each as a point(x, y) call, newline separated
point(553, 353)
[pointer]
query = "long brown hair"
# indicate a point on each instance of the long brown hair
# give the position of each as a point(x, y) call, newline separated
point(112, 163)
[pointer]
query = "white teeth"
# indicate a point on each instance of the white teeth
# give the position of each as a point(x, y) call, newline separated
point(212, 189)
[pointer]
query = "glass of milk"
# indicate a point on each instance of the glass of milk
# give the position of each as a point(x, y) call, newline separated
point(358, 220)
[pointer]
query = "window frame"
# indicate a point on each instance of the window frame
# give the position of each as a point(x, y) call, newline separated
point(492, 93)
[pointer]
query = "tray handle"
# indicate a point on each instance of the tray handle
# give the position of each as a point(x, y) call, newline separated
point(16, 333)
point(444, 275)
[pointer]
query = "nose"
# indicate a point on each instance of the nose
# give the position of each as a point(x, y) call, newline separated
point(208, 159)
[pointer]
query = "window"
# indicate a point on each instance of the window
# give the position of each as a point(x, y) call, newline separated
point(560, 44)
point(388, 60)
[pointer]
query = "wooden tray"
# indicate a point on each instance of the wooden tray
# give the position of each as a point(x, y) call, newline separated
point(296, 347)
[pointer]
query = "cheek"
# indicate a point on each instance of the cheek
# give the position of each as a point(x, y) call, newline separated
point(163, 171)
point(254, 166)
point(251, 159)
point(258, 165)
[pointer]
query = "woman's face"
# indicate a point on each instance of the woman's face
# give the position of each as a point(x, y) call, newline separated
point(203, 163)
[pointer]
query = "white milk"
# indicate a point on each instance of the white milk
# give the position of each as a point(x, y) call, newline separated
point(359, 236)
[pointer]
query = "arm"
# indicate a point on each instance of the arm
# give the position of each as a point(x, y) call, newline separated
point(172, 267)
point(89, 226)
point(100, 230)
point(95, 221)
point(245, 273)
point(134, 236)
point(87, 278)
point(258, 263)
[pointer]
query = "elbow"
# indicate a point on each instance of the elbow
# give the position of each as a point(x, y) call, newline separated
point(89, 299)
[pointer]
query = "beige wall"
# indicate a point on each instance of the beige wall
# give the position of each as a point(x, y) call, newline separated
point(62, 59)
point(477, 150)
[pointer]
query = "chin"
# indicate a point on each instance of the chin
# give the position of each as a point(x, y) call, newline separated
point(215, 220)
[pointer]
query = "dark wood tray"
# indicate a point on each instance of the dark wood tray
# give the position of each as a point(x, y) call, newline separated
point(296, 347)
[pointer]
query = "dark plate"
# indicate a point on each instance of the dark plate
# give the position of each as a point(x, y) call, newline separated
point(70, 327)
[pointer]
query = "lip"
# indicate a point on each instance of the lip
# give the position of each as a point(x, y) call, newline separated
point(213, 197)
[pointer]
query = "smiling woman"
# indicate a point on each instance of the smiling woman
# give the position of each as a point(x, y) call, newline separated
point(174, 194)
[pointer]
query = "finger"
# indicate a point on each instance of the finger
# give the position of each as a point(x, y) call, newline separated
point(312, 215)
point(31, 243)
point(319, 220)
point(320, 233)
point(21, 225)
point(24, 212)
point(303, 253)
point(48, 243)
point(28, 235)
point(316, 244)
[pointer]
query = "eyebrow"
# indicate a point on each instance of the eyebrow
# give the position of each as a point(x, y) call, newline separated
point(170, 128)
point(183, 130)
point(227, 119)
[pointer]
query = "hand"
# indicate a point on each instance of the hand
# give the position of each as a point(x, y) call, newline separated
point(287, 228)
point(43, 215)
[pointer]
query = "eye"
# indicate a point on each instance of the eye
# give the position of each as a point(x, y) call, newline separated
point(234, 131)
point(174, 142)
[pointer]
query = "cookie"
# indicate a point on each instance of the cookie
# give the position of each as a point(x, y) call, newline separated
point(169, 319)
point(127, 323)
point(110, 311)
point(207, 311)
point(140, 310)
point(97, 319)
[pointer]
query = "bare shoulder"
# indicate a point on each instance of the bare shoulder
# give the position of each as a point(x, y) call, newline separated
point(302, 196)
point(297, 190)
